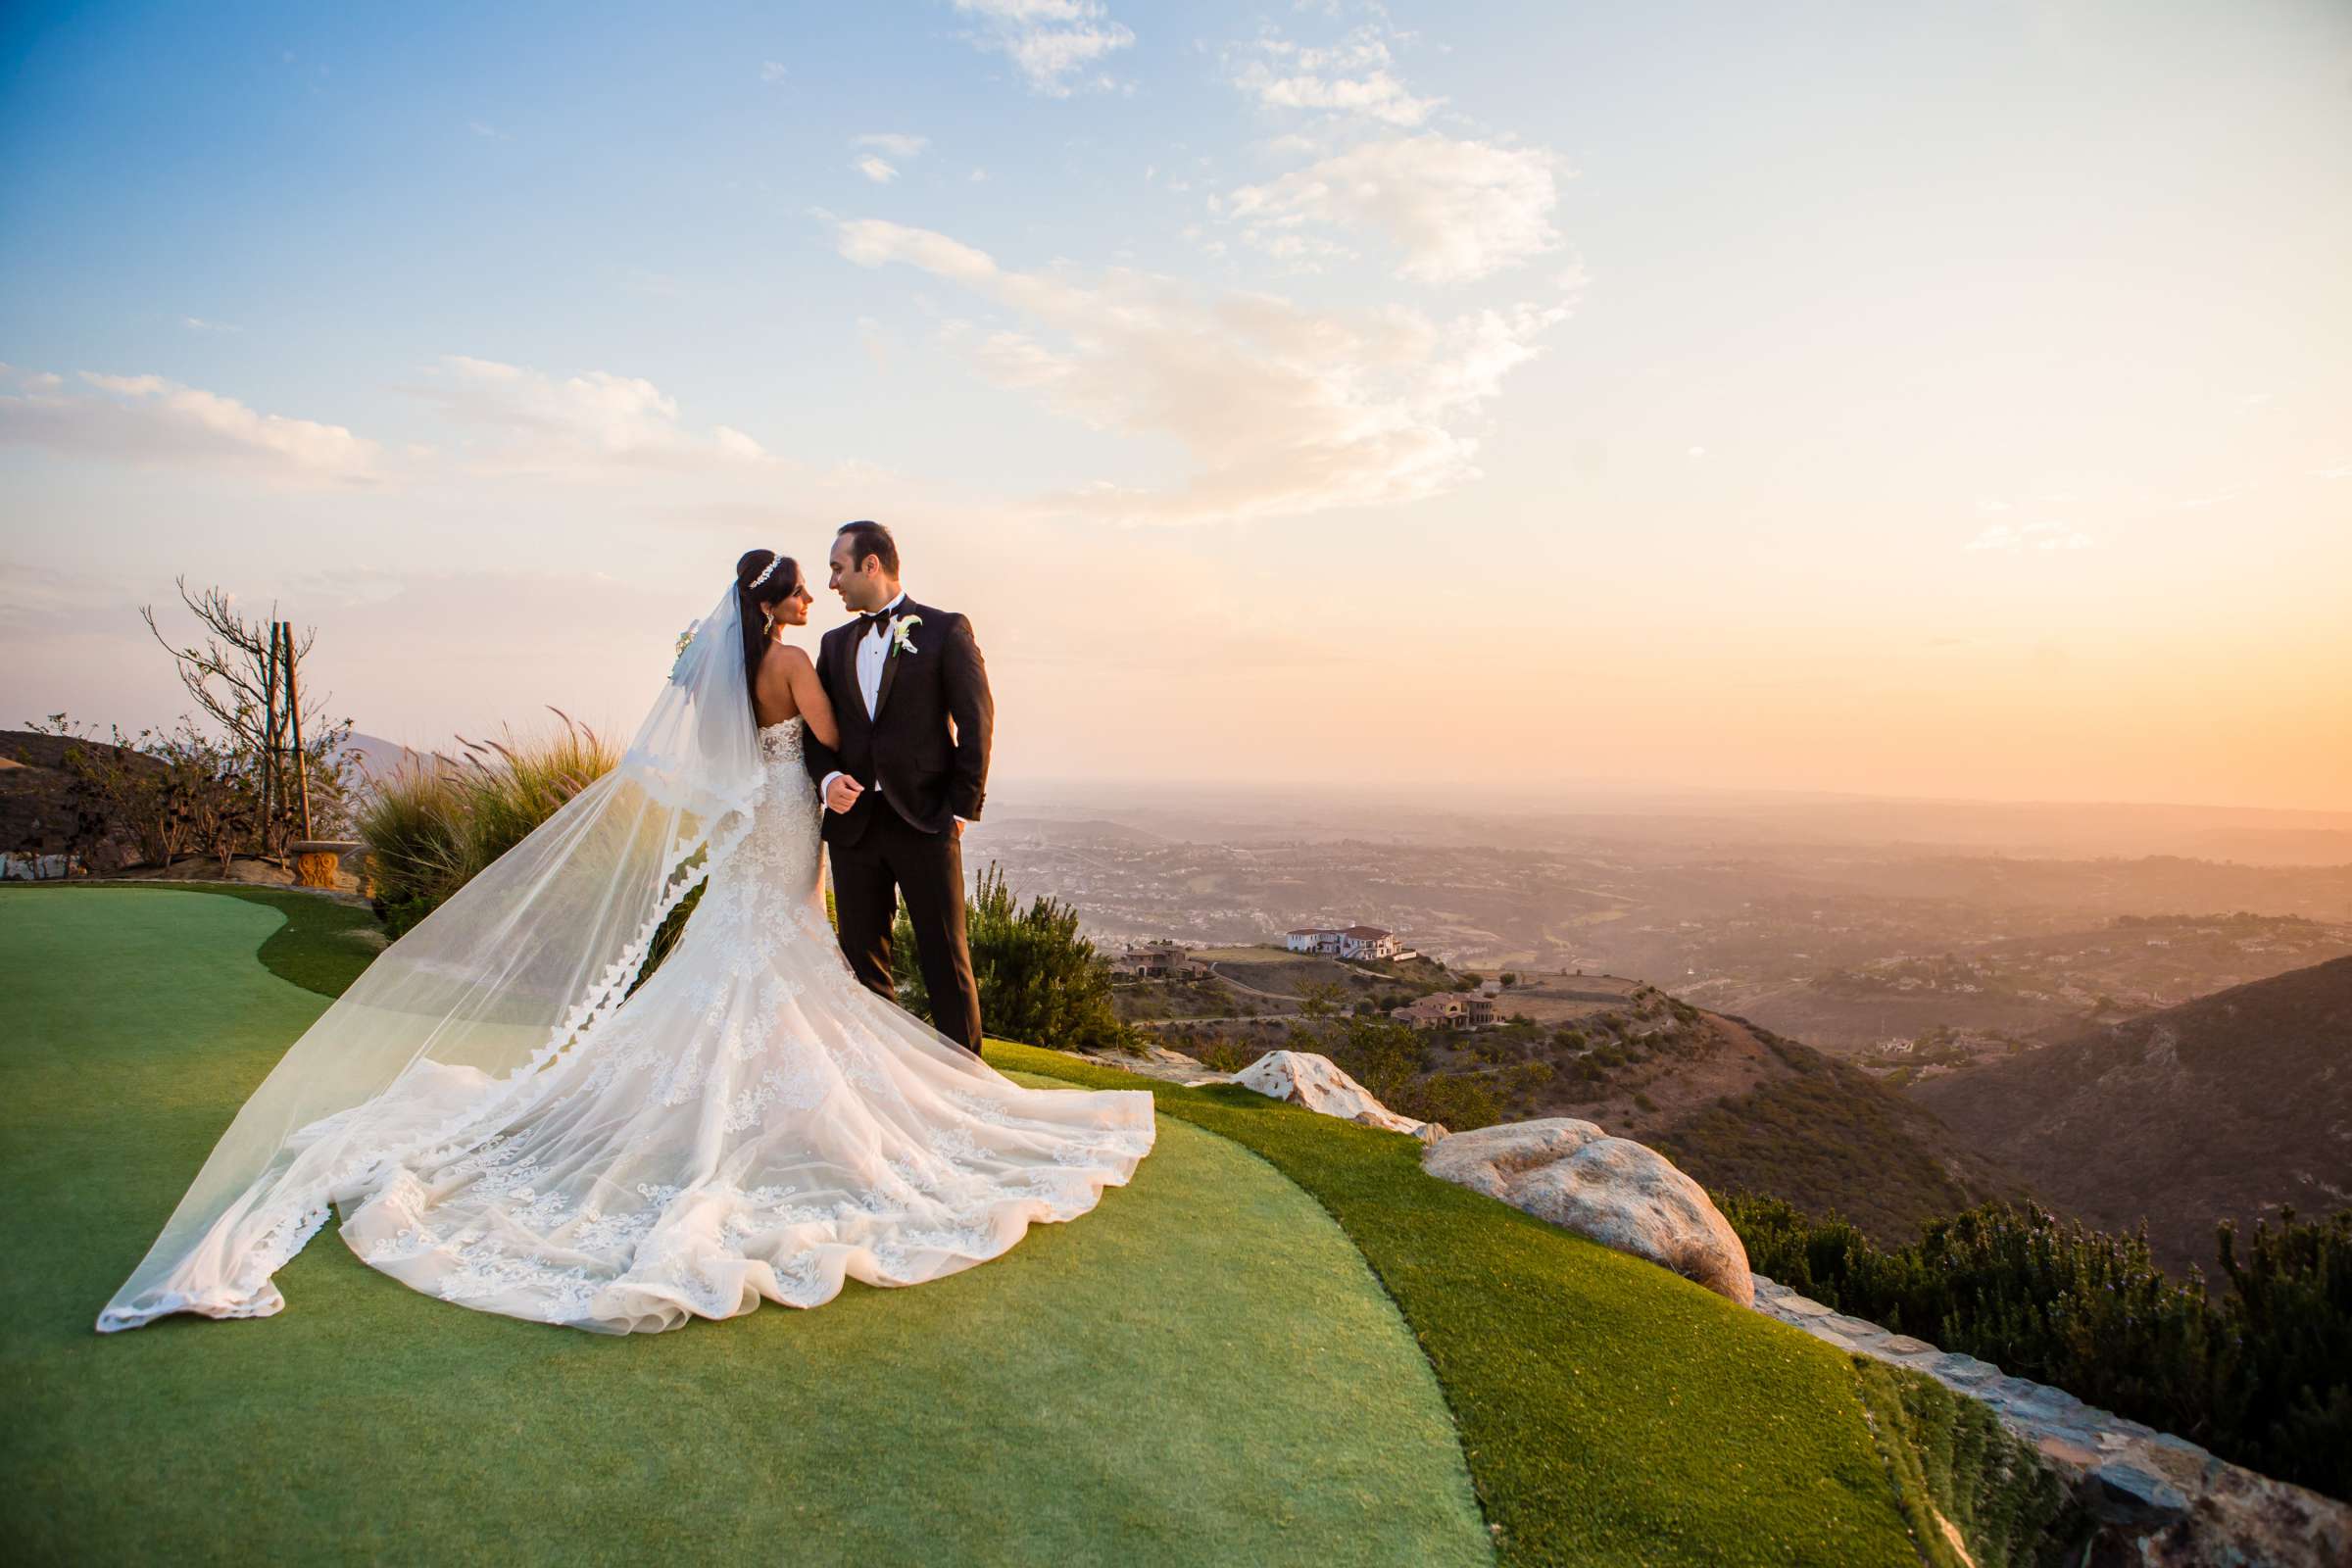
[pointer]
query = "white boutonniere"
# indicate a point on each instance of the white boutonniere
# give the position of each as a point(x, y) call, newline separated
point(900, 628)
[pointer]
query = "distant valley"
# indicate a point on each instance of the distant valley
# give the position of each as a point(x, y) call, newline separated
point(1846, 945)
point(1889, 1029)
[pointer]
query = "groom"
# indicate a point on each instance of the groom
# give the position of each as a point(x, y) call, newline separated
point(912, 697)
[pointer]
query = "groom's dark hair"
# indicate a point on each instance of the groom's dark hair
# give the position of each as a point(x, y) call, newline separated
point(870, 539)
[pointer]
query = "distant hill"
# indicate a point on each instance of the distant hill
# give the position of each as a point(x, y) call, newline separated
point(2228, 1105)
point(1823, 1135)
point(1738, 1106)
point(38, 810)
point(1732, 1103)
point(2045, 987)
point(380, 758)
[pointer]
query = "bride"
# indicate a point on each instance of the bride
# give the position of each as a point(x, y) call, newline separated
point(515, 1109)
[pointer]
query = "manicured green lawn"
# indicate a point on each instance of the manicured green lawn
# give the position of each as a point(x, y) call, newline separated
point(1282, 1342)
point(1203, 1370)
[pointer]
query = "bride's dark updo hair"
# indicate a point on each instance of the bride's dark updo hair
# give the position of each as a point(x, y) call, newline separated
point(761, 577)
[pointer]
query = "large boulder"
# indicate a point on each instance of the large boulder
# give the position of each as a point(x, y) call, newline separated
point(1316, 1082)
point(1619, 1193)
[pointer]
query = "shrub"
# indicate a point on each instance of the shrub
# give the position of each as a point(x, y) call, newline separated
point(2262, 1375)
point(1041, 982)
point(530, 781)
point(114, 787)
point(1391, 1061)
point(1223, 1056)
point(414, 825)
point(435, 823)
point(176, 789)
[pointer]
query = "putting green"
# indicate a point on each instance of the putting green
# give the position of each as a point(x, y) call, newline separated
point(1200, 1370)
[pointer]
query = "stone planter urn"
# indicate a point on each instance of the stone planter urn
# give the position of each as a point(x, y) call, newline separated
point(316, 860)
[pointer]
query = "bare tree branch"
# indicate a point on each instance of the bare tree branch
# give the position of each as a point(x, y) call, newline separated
point(226, 672)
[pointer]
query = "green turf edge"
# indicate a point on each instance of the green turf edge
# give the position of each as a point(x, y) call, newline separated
point(322, 947)
point(1952, 1460)
point(1610, 1411)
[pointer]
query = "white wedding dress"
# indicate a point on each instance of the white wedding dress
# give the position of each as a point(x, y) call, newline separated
point(750, 1123)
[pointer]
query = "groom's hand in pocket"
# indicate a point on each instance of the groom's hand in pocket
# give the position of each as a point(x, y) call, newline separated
point(842, 792)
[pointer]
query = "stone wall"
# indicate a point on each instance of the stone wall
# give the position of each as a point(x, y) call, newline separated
point(2161, 1500)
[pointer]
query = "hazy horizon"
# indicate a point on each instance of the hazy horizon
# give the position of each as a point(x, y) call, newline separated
point(1934, 403)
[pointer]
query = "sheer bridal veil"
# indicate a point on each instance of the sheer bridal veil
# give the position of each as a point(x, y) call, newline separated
point(451, 1024)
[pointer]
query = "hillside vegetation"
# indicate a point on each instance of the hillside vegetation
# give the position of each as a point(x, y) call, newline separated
point(2226, 1107)
point(2258, 1369)
point(1735, 1104)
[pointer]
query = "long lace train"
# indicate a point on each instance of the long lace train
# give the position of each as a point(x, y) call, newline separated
point(751, 1124)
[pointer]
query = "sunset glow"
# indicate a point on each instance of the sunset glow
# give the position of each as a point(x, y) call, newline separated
point(1503, 402)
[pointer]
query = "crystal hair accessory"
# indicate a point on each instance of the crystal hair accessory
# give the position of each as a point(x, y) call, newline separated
point(767, 572)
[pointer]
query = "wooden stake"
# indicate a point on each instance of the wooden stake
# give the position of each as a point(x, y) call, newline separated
point(269, 737)
point(302, 770)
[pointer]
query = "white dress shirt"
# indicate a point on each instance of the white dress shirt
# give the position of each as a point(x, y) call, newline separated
point(873, 652)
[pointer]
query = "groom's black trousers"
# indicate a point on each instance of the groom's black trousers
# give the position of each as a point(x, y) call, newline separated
point(891, 857)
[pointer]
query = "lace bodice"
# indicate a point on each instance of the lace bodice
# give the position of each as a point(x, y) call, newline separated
point(770, 885)
point(781, 743)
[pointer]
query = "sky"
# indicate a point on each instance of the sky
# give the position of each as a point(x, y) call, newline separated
point(1940, 400)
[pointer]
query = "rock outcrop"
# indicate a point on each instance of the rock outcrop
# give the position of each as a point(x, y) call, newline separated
point(1303, 1078)
point(1619, 1193)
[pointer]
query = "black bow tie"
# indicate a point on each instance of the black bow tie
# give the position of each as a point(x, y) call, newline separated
point(878, 620)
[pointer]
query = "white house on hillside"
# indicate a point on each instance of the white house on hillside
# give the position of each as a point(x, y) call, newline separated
point(1343, 942)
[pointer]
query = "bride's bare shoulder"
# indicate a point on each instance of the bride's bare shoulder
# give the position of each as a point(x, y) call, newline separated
point(782, 663)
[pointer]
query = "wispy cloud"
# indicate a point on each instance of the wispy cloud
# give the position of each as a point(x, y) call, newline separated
point(1350, 77)
point(898, 144)
point(197, 324)
point(1457, 210)
point(519, 421)
point(773, 72)
point(1283, 409)
point(1053, 43)
point(148, 420)
point(875, 168)
point(485, 130)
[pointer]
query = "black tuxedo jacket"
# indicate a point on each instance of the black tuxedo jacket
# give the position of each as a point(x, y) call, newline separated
point(924, 751)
